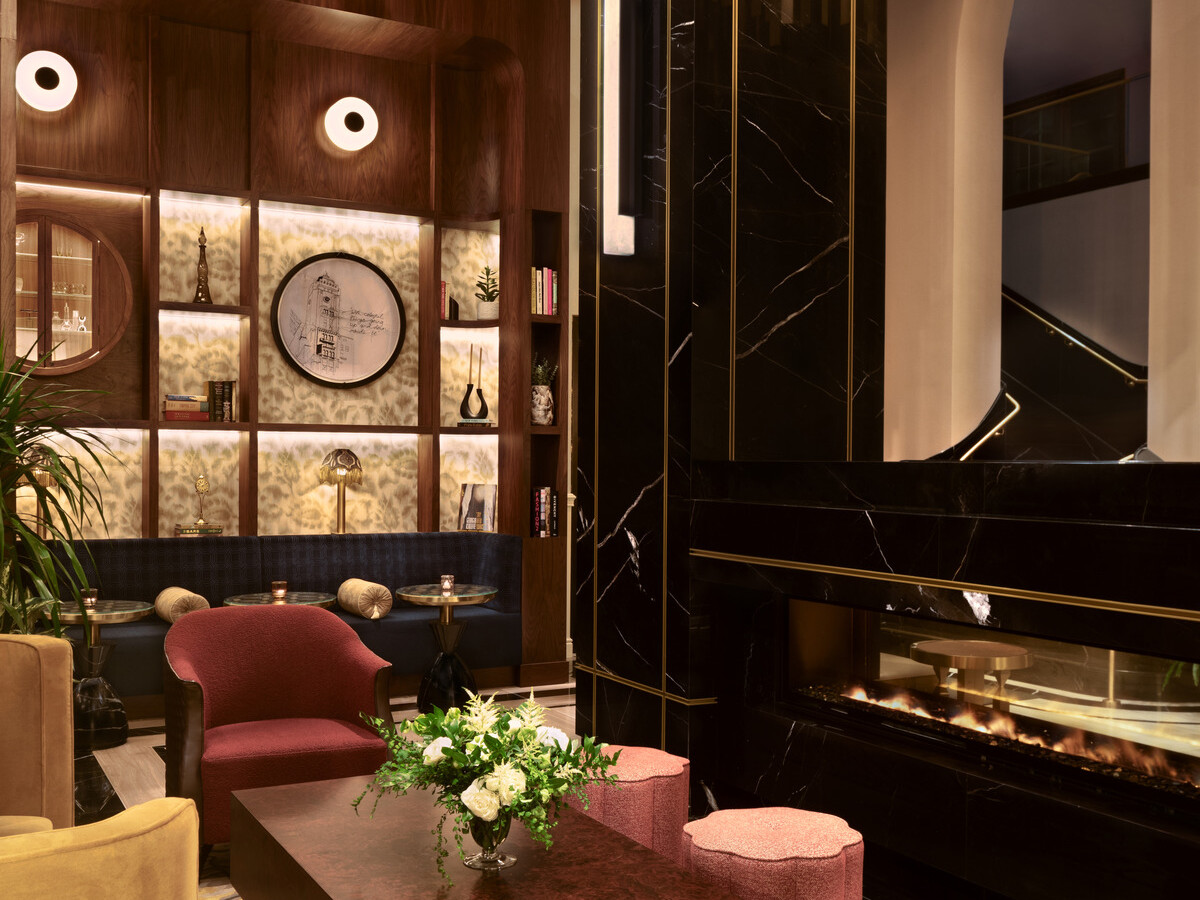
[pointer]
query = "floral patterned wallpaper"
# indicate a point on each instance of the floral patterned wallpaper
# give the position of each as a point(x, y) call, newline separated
point(466, 459)
point(120, 487)
point(458, 347)
point(464, 254)
point(183, 456)
point(291, 499)
point(288, 235)
point(180, 218)
point(194, 348)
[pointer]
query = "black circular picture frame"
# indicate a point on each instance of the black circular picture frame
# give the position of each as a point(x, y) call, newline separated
point(338, 320)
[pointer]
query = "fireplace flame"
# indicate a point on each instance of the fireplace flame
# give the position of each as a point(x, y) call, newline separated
point(1111, 751)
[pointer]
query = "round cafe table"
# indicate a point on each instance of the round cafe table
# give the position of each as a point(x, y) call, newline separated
point(448, 679)
point(266, 598)
point(100, 717)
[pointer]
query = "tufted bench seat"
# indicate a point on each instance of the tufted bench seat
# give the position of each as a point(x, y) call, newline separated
point(776, 852)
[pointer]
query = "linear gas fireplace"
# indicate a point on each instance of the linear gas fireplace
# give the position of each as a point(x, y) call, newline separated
point(1131, 717)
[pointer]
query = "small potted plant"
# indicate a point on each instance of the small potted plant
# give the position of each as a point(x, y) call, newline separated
point(542, 401)
point(488, 295)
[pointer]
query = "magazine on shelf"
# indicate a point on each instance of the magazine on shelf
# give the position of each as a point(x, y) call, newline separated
point(477, 507)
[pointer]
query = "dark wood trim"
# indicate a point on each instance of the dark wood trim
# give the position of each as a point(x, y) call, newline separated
point(8, 174)
point(554, 672)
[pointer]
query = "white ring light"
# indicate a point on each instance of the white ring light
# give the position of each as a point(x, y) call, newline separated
point(351, 123)
point(46, 81)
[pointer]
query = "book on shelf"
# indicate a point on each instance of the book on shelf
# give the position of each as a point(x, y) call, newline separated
point(222, 401)
point(192, 405)
point(544, 512)
point(543, 291)
point(477, 507)
point(465, 422)
point(186, 415)
point(198, 530)
point(201, 398)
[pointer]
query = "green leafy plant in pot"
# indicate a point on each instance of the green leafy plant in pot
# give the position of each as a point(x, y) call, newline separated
point(541, 410)
point(39, 558)
point(488, 294)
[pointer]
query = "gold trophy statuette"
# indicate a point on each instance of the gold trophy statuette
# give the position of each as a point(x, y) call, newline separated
point(201, 490)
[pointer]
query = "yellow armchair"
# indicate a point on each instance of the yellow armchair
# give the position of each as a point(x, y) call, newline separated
point(37, 741)
point(147, 852)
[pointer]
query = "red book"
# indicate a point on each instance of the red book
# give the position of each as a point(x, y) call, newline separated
point(185, 415)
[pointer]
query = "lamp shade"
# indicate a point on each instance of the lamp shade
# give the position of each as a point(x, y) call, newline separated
point(341, 466)
point(46, 81)
point(351, 123)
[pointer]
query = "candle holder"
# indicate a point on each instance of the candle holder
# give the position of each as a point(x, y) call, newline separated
point(279, 591)
point(447, 585)
point(89, 597)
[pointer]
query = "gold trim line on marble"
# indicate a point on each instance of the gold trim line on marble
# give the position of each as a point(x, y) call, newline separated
point(1144, 609)
point(850, 242)
point(645, 689)
point(733, 205)
point(666, 364)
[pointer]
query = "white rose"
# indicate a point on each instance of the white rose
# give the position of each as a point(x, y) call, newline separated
point(480, 801)
point(433, 753)
point(507, 781)
point(551, 736)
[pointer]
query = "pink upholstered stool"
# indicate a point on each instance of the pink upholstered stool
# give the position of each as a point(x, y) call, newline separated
point(776, 852)
point(649, 804)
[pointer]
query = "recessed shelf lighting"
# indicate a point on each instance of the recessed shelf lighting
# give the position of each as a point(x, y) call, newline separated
point(351, 123)
point(46, 81)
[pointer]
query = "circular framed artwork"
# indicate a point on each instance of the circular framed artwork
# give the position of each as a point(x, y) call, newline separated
point(338, 320)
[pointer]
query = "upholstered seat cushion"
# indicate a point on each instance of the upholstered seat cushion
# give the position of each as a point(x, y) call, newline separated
point(280, 751)
point(10, 825)
point(649, 802)
point(776, 852)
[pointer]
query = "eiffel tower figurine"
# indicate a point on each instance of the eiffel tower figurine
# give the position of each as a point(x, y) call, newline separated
point(202, 294)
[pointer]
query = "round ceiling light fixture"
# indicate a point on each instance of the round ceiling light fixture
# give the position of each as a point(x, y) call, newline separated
point(46, 81)
point(351, 123)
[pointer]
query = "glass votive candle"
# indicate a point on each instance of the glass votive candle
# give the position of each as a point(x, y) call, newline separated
point(89, 597)
point(279, 591)
point(447, 584)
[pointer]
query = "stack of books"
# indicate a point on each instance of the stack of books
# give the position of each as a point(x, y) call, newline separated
point(543, 291)
point(218, 403)
point(544, 511)
point(186, 408)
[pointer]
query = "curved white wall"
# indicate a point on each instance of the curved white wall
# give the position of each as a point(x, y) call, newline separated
point(944, 170)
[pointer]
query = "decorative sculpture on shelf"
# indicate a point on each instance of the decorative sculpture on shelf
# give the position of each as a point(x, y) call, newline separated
point(202, 294)
point(479, 416)
point(201, 490)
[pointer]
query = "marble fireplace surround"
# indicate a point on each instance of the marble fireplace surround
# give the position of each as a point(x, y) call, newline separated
point(1099, 554)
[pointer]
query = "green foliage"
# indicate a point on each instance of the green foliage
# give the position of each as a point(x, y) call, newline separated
point(1176, 670)
point(543, 372)
point(489, 287)
point(33, 420)
point(523, 768)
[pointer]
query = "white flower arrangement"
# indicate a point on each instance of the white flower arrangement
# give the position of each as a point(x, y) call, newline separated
point(488, 762)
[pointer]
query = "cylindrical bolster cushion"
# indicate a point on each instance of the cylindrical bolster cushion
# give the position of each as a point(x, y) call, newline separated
point(364, 598)
point(173, 602)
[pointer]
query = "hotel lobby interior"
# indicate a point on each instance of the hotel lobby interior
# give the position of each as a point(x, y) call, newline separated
point(936, 608)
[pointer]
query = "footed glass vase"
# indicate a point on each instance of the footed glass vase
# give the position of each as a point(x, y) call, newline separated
point(489, 836)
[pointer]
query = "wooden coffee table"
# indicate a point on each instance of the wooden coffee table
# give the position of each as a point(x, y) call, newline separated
point(305, 842)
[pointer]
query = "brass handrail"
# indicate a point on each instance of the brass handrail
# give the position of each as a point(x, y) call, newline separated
point(1130, 378)
point(1020, 140)
point(999, 426)
point(1084, 93)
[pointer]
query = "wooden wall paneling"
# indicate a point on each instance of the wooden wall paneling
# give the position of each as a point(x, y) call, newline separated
point(248, 372)
point(471, 111)
point(293, 157)
point(543, 635)
point(8, 174)
point(102, 134)
point(150, 232)
point(513, 512)
point(149, 482)
point(200, 124)
point(543, 43)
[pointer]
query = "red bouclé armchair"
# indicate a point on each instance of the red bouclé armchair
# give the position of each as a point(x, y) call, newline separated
point(264, 695)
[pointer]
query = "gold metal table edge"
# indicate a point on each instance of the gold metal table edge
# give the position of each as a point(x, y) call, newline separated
point(102, 617)
point(1012, 657)
point(1143, 609)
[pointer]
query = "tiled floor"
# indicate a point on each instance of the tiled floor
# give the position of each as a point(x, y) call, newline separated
point(107, 781)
